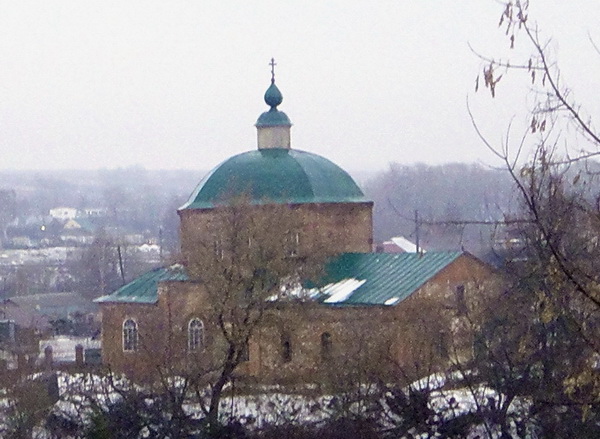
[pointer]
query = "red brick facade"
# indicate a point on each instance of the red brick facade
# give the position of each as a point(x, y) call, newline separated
point(291, 343)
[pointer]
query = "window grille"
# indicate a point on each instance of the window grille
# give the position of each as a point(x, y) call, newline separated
point(195, 335)
point(130, 336)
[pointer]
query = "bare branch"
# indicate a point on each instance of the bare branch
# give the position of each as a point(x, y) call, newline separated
point(482, 137)
point(593, 43)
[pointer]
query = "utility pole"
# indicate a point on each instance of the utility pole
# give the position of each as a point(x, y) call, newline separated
point(160, 244)
point(122, 269)
point(417, 224)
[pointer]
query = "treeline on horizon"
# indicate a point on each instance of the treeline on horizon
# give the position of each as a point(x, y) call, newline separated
point(453, 196)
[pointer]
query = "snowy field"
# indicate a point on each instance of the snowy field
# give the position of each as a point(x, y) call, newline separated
point(275, 407)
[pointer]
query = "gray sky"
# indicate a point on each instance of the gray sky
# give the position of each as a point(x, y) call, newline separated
point(179, 84)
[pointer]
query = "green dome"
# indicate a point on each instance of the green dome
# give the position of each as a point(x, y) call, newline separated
point(273, 96)
point(273, 117)
point(276, 176)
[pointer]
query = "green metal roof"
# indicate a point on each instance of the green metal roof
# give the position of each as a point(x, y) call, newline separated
point(276, 175)
point(273, 96)
point(144, 289)
point(351, 279)
point(273, 117)
point(379, 278)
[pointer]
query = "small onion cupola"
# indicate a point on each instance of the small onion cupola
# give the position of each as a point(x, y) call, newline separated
point(273, 126)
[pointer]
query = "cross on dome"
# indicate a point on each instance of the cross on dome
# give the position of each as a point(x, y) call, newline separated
point(272, 64)
point(273, 96)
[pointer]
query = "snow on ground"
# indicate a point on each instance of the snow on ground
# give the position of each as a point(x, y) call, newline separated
point(438, 380)
point(50, 255)
point(63, 347)
point(60, 255)
point(274, 406)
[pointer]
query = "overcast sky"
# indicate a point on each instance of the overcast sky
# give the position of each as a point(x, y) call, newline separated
point(180, 84)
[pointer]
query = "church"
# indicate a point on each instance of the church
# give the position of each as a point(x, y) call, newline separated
point(365, 310)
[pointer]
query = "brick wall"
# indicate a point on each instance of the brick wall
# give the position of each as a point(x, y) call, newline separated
point(417, 332)
point(342, 227)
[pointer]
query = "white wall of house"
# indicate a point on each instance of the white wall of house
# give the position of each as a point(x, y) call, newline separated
point(63, 213)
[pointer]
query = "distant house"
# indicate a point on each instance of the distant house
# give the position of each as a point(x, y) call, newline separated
point(63, 213)
point(28, 325)
point(92, 212)
point(23, 316)
point(63, 349)
point(66, 213)
point(20, 330)
point(22, 242)
point(398, 244)
point(82, 223)
point(133, 239)
point(32, 231)
point(80, 230)
point(64, 312)
point(78, 225)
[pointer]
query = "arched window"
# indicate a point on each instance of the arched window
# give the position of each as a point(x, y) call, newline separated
point(130, 336)
point(461, 303)
point(195, 335)
point(218, 248)
point(326, 346)
point(292, 243)
point(286, 347)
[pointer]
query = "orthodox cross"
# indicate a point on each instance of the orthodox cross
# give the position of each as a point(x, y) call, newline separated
point(272, 64)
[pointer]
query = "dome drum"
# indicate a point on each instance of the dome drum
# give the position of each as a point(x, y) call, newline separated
point(274, 137)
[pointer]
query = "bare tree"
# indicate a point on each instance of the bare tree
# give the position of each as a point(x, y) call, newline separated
point(249, 259)
point(558, 284)
point(7, 210)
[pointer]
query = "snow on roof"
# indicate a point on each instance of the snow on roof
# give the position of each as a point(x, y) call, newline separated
point(349, 279)
point(380, 277)
point(392, 301)
point(340, 291)
point(405, 244)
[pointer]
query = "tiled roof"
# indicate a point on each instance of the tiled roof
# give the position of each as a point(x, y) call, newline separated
point(380, 278)
point(351, 279)
point(144, 289)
